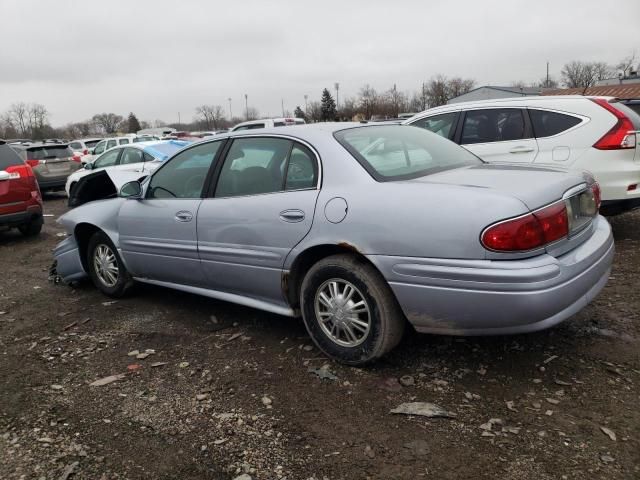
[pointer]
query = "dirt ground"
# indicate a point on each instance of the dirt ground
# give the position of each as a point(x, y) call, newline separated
point(227, 390)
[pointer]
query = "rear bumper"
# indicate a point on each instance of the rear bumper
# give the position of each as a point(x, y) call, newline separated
point(50, 183)
point(483, 297)
point(32, 213)
point(615, 176)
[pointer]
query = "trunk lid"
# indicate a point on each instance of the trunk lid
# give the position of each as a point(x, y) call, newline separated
point(533, 186)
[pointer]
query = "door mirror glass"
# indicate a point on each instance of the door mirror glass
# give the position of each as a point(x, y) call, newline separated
point(131, 190)
point(88, 166)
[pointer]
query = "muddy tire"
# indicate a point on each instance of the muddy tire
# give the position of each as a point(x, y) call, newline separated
point(106, 269)
point(349, 310)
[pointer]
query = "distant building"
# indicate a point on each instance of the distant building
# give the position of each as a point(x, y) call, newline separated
point(489, 92)
point(632, 78)
point(627, 91)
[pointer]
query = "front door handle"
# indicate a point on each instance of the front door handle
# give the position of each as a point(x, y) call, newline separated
point(292, 216)
point(184, 216)
point(521, 150)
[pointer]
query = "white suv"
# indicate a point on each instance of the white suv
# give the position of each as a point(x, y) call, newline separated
point(597, 134)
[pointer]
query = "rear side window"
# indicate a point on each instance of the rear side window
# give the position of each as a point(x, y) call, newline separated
point(9, 158)
point(444, 125)
point(49, 151)
point(547, 124)
point(124, 141)
point(493, 125)
point(402, 152)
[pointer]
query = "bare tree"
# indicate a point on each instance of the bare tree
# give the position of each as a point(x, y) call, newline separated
point(459, 86)
point(437, 91)
point(19, 114)
point(578, 74)
point(38, 117)
point(368, 101)
point(626, 64)
point(109, 122)
point(207, 115)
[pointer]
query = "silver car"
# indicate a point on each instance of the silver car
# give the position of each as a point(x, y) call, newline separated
point(357, 228)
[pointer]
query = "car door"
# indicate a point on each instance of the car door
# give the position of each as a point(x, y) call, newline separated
point(158, 233)
point(498, 135)
point(554, 147)
point(262, 206)
point(132, 159)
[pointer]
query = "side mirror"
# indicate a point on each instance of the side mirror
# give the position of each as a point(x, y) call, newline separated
point(88, 166)
point(131, 190)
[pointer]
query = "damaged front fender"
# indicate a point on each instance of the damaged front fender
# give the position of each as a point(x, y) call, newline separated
point(67, 262)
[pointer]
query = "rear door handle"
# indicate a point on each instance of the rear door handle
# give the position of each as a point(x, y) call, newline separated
point(184, 216)
point(521, 150)
point(292, 216)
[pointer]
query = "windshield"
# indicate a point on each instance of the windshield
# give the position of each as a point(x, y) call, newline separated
point(399, 152)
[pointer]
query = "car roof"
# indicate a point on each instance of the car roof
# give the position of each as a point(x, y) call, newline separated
point(504, 101)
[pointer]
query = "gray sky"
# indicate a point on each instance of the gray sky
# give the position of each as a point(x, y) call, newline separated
point(157, 58)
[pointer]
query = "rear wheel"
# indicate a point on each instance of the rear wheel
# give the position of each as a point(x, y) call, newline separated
point(32, 228)
point(349, 310)
point(106, 268)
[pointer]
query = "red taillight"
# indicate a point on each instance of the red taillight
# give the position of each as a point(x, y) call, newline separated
point(528, 232)
point(20, 171)
point(85, 151)
point(33, 163)
point(622, 135)
point(76, 158)
point(597, 195)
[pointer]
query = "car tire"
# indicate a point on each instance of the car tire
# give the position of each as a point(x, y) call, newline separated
point(106, 269)
point(349, 310)
point(32, 228)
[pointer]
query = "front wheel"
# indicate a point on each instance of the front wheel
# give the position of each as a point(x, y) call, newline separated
point(106, 269)
point(349, 310)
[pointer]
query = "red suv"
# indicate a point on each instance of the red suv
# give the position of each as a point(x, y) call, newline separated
point(20, 199)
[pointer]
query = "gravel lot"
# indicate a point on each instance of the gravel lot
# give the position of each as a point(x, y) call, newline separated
point(226, 390)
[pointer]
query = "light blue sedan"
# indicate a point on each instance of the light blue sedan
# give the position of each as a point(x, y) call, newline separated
point(360, 229)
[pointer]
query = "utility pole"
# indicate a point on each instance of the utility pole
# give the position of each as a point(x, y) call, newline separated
point(282, 100)
point(547, 82)
point(305, 103)
point(230, 114)
point(337, 85)
point(178, 120)
point(246, 105)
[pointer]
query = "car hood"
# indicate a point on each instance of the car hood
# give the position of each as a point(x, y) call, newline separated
point(534, 186)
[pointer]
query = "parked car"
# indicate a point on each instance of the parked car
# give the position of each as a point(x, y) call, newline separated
point(84, 146)
point(117, 166)
point(107, 144)
point(596, 134)
point(267, 123)
point(633, 104)
point(20, 199)
point(356, 227)
point(51, 162)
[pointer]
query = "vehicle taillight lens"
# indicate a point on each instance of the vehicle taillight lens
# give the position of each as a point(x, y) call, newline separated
point(33, 163)
point(622, 135)
point(20, 171)
point(597, 195)
point(76, 158)
point(85, 151)
point(528, 232)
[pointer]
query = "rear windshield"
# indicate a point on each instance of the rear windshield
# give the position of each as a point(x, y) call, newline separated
point(633, 115)
point(49, 151)
point(91, 143)
point(402, 152)
point(8, 158)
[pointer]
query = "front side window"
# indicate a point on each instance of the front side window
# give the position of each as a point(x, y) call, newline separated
point(131, 155)
point(493, 125)
point(254, 166)
point(185, 174)
point(444, 124)
point(546, 124)
point(111, 144)
point(107, 160)
point(402, 152)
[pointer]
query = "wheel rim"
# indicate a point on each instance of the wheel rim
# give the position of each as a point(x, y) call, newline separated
point(106, 265)
point(342, 312)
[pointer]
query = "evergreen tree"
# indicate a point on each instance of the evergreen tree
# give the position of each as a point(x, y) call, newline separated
point(134, 124)
point(298, 113)
point(327, 106)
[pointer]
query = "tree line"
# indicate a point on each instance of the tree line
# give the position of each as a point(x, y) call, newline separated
point(32, 120)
